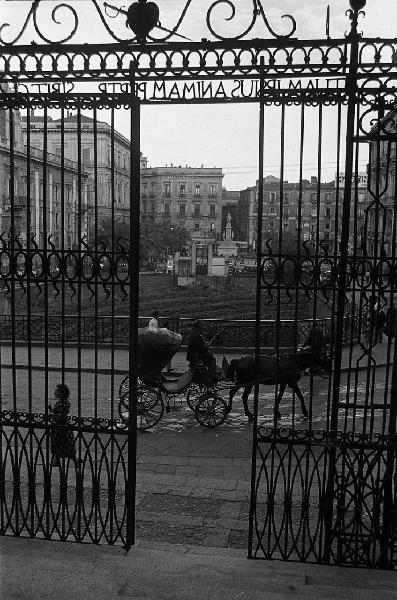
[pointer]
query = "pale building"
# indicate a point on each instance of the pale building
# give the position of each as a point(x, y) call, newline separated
point(381, 221)
point(110, 185)
point(358, 206)
point(31, 191)
point(188, 197)
point(314, 203)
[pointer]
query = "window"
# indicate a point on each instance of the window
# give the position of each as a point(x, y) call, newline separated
point(328, 197)
point(285, 212)
point(166, 209)
point(212, 190)
point(58, 151)
point(197, 191)
point(144, 190)
point(152, 207)
point(286, 198)
point(212, 227)
point(86, 158)
point(327, 212)
point(68, 219)
point(182, 210)
point(313, 198)
point(197, 210)
point(272, 197)
point(56, 219)
point(152, 190)
point(196, 227)
point(212, 210)
point(167, 189)
point(182, 189)
point(144, 207)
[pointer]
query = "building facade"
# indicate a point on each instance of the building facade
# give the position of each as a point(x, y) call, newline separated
point(381, 217)
point(32, 191)
point(186, 197)
point(289, 207)
point(87, 142)
point(358, 207)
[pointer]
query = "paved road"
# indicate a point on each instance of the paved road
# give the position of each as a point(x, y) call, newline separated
point(94, 378)
point(192, 483)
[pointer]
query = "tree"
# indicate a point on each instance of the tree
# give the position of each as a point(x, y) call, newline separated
point(110, 232)
point(289, 246)
point(156, 239)
point(284, 256)
point(159, 239)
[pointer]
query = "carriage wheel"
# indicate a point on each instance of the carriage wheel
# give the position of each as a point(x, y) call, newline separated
point(149, 407)
point(194, 395)
point(211, 411)
point(124, 386)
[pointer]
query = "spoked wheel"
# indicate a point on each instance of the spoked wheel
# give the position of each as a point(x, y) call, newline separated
point(211, 410)
point(194, 395)
point(124, 386)
point(149, 407)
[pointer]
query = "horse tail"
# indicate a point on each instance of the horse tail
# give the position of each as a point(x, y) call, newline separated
point(233, 368)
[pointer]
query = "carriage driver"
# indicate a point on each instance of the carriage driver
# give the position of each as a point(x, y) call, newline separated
point(198, 350)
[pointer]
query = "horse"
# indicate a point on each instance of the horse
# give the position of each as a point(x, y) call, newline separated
point(283, 370)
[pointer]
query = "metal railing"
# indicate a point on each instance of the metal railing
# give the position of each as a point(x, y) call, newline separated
point(115, 330)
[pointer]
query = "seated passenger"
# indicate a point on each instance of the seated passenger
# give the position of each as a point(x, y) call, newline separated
point(198, 350)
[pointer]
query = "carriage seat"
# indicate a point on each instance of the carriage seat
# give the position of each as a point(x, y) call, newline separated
point(178, 385)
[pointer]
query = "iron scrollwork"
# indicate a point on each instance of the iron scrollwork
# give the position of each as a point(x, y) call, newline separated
point(70, 20)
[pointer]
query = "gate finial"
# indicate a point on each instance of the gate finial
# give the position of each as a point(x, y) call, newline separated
point(142, 17)
point(357, 5)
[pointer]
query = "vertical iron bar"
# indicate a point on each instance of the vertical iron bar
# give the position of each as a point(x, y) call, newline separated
point(387, 551)
point(13, 266)
point(47, 480)
point(133, 306)
point(257, 306)
point(78, 239)
point(112, 490)
point(96, 484)
point(63, 497)
point(28, 270)
point(351, 90)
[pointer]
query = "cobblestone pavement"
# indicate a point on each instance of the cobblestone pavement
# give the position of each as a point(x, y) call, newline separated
point(192, 483)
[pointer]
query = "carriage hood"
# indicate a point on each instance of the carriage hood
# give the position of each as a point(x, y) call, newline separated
point(156, 347)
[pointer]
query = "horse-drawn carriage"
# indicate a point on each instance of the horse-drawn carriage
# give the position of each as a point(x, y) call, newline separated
point(155, 390)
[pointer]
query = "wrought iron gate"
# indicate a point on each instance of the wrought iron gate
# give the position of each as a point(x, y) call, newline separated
point(323, 495)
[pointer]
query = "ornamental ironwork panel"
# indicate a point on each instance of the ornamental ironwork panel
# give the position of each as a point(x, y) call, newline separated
point(293, 500)
point(323, 482)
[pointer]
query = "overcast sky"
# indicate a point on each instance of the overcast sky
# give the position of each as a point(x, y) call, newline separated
point(220, 135)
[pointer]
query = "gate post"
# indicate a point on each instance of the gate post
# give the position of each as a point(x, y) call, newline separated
point(389, 524)
point(133, 308)
point(257, 307)
point(351, 90)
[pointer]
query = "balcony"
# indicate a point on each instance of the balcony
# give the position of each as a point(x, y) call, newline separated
point(20, 203)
